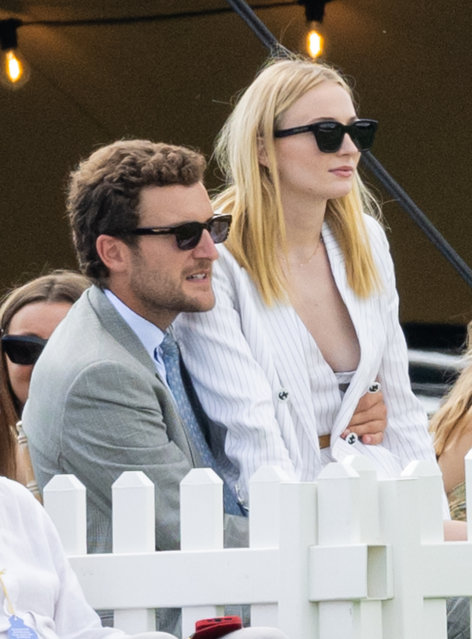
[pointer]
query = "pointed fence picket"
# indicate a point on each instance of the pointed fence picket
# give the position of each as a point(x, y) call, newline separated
point(345, 557)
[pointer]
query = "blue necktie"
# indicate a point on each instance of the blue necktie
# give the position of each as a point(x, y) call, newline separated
point(171, 357)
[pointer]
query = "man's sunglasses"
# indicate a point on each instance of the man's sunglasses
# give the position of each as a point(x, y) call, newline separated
point(188, 235)
point(23, 349)
point(329, 134)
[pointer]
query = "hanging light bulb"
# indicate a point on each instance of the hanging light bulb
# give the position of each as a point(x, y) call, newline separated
point(314, 40)
point(314, 13)
point(14, 70)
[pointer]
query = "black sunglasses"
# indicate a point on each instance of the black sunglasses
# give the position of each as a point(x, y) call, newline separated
point(23, 349)
point(188, 235)
point(329, 134)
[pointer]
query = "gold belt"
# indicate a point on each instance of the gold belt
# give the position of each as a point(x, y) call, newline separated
point(325, 441)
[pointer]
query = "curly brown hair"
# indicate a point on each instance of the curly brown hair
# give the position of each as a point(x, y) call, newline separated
point(104, 192)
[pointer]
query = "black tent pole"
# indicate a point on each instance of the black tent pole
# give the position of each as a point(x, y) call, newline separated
point(276, 49)
point(262, 32)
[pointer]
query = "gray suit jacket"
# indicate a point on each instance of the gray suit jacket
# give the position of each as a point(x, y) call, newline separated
point(97, 408)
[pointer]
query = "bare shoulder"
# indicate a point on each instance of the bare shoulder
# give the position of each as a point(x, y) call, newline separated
point(452, 462)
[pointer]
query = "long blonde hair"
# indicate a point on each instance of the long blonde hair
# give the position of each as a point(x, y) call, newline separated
point(252, 194)
point(455, 414)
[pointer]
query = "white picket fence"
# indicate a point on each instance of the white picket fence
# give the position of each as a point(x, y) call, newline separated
point(345, 557)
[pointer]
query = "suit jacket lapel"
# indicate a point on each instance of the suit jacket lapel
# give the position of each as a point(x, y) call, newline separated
point(289, 344)
point(114, 324)
point(365, 320)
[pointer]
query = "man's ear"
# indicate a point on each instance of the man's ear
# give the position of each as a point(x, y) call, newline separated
point(113, 252)
point(261, 152)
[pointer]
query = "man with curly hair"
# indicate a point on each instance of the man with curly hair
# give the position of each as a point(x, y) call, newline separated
point(102, 399)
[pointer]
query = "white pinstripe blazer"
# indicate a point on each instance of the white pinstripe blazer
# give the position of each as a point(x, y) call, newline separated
point(261, 378)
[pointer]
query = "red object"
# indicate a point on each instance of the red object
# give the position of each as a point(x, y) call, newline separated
point(216, 627)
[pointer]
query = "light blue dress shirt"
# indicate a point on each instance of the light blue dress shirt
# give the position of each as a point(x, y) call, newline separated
point(149, 334)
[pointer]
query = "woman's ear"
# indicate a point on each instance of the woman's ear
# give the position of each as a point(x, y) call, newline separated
point(262, 153)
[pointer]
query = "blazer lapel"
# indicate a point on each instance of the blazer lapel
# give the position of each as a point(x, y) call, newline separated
point(295, 354)
point(367, 322)
point(114, 324)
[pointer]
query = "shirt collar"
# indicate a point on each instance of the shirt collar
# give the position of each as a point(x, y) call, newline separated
point(149, 334)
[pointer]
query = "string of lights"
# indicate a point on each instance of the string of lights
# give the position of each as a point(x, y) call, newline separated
point(15, 71)
point(155, 17)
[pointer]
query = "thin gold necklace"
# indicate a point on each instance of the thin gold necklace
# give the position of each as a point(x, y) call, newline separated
point(312, 255)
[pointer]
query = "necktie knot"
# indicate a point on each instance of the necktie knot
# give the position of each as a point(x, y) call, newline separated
point(169, 347)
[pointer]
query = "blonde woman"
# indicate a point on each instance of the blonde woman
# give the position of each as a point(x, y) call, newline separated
point(306, 316)
point(452, 431)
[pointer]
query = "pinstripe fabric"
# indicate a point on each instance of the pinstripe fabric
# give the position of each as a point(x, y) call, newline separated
point(260, 375)
point(172, 361)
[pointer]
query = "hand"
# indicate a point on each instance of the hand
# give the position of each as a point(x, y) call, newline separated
point(369, 420)
point(455, 530)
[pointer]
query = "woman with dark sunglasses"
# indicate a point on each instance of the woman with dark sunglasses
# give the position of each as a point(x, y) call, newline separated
point(305, 325)
point(28, 316)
